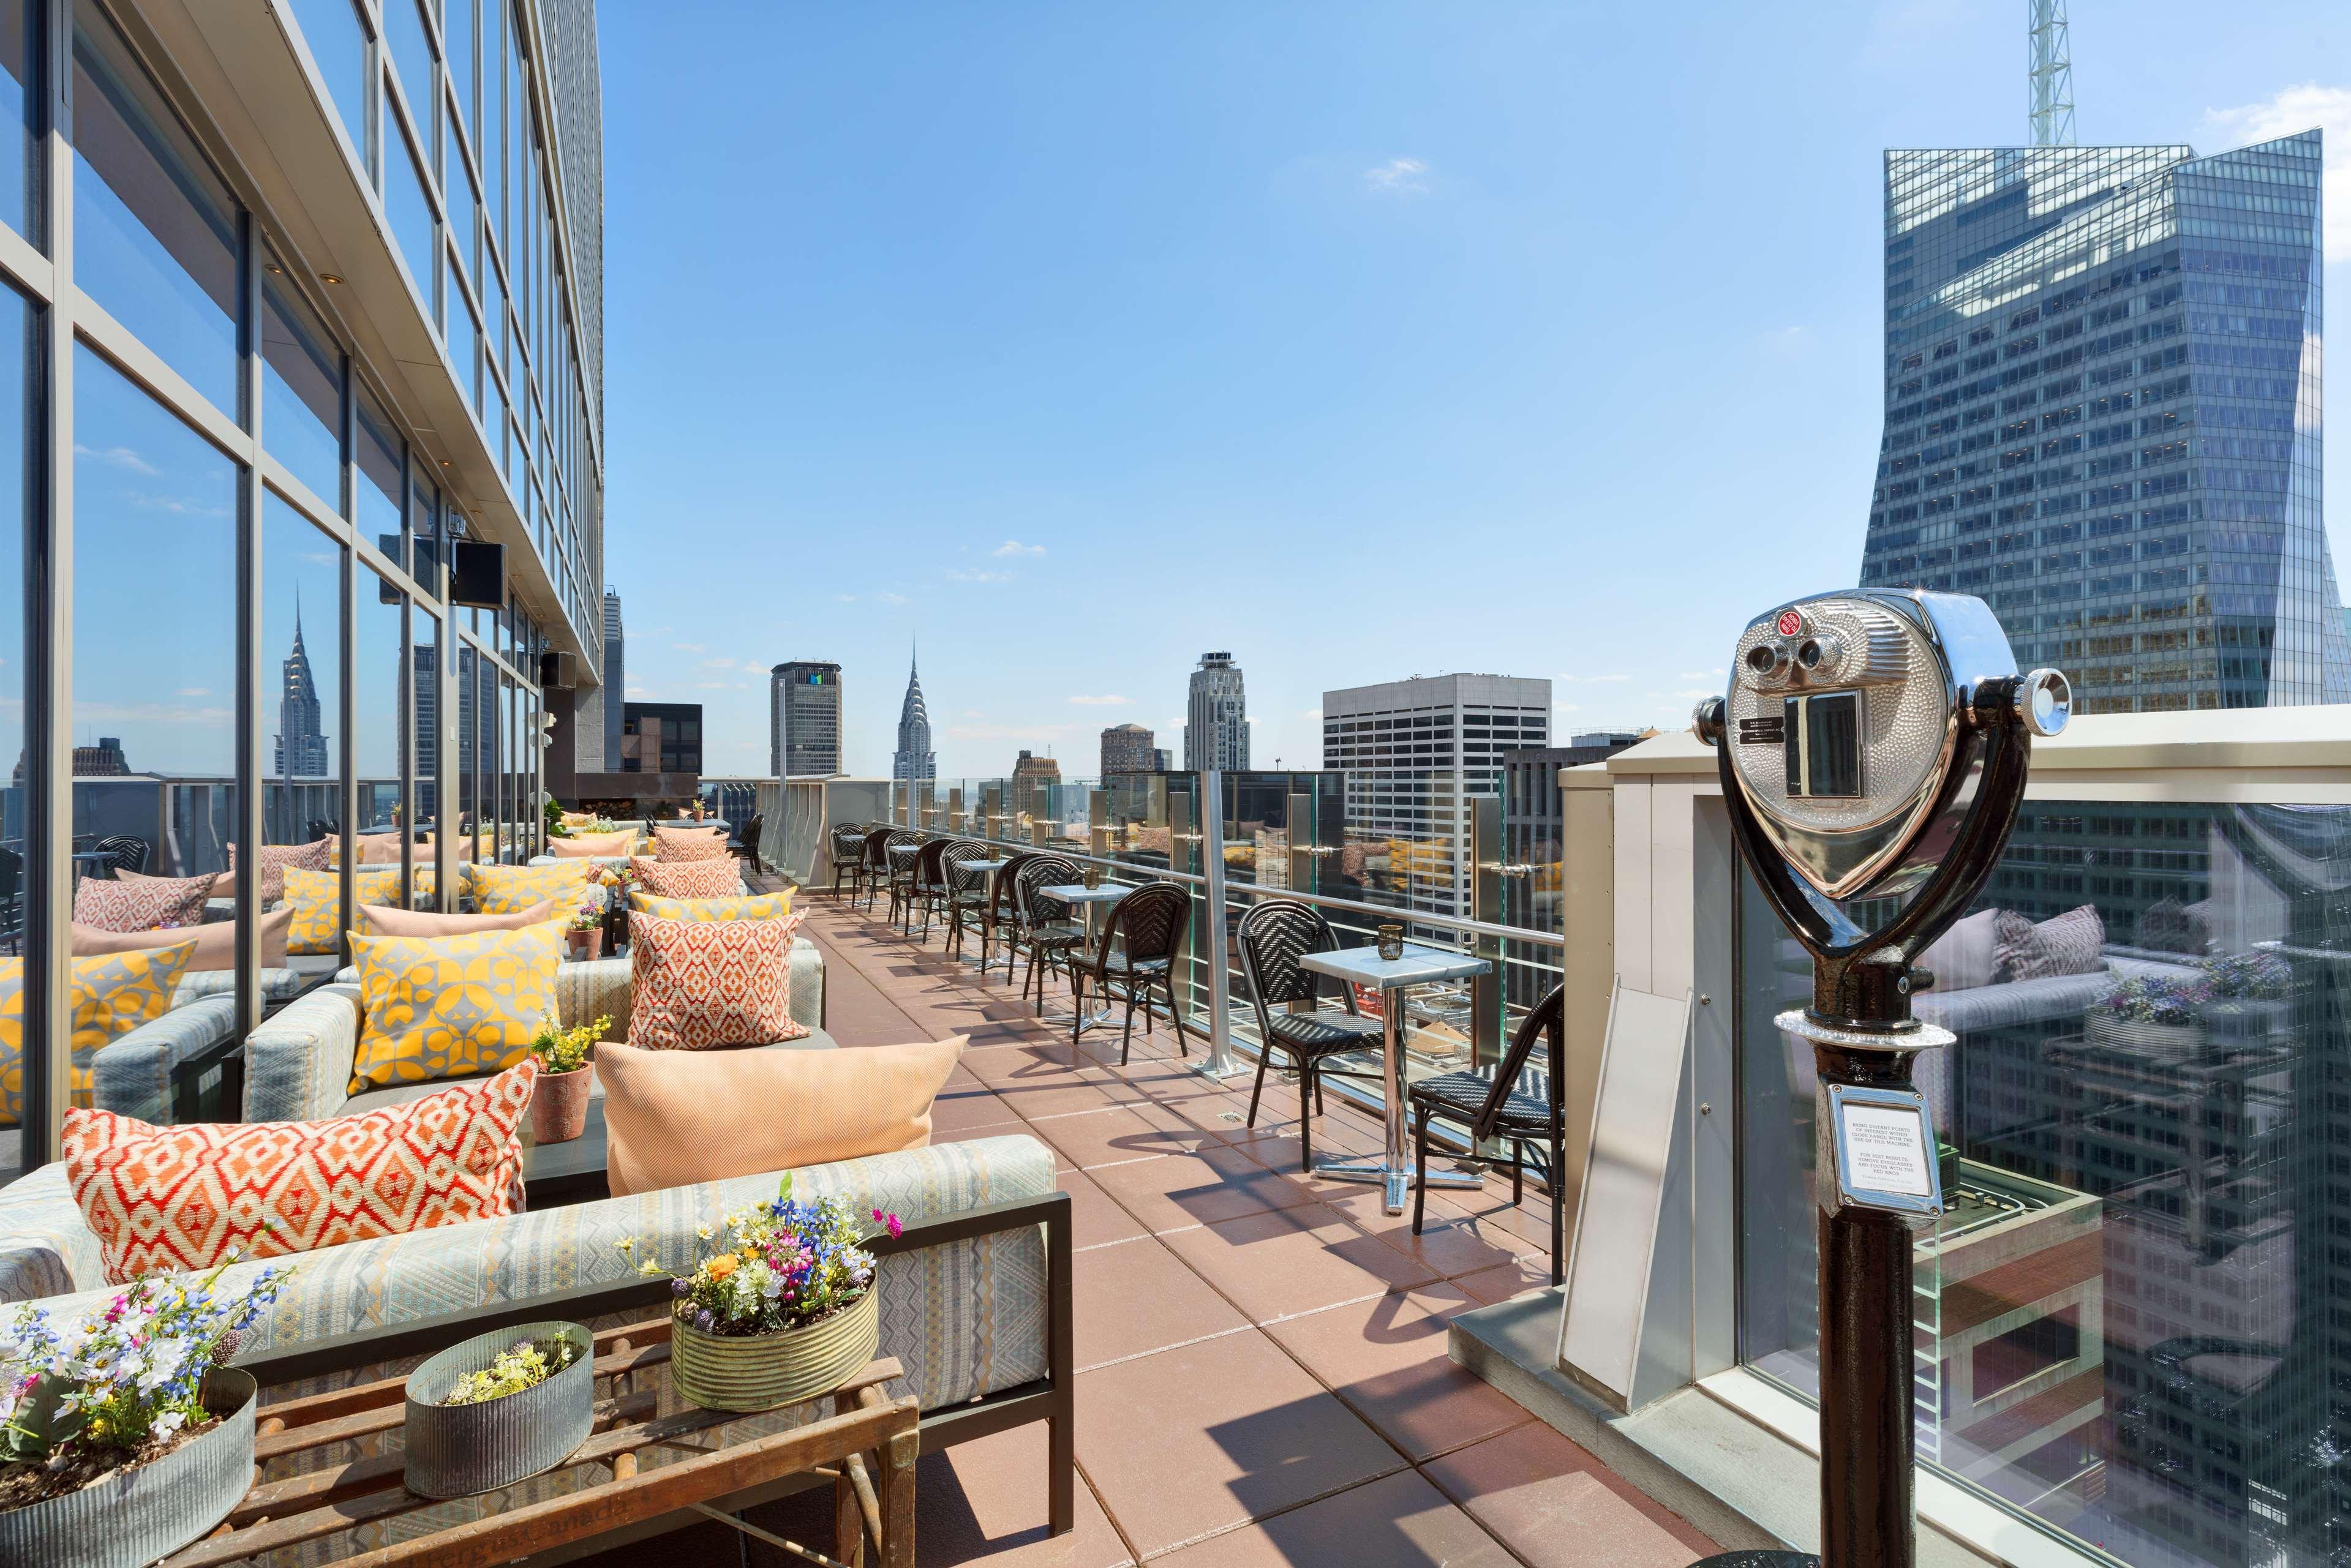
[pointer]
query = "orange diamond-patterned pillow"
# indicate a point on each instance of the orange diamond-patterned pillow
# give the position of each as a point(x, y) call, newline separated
point(688, 879)
point(697, 985)
point(162, 1200)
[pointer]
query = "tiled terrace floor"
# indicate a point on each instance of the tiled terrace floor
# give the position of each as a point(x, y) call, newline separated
point(1262, 1371)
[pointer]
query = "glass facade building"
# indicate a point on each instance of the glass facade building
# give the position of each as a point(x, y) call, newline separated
point(2102, 415)
point(804, 720)
point(295, 297)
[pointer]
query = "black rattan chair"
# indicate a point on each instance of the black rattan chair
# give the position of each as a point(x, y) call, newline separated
point(874, 866)
point(1495, 1108)
point(129, 851)
point(898, 870)
point(746, 843)
point(967, 894)
point(1000, 913)
point(1272, 938)
point(848, 845)
point(1044, 927)
point(1136, 952)
point(931, 886)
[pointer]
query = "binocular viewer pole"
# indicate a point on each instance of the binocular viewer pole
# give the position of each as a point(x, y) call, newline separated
point(1855, 766)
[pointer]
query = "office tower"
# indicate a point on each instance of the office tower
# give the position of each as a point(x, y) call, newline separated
point(1414, 753)
point(1162, 759)
point(661, 738)
point(616, 682)
point(913, 761)
point(1534, 830)
point(1128, 748)
point(1033, 778)
point(1216, 719)
point(104, 760)
point(2103, 417)
point(301, 735)
point(804, 720)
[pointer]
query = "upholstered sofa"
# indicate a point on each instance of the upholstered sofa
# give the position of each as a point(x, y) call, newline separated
point(297, 1063)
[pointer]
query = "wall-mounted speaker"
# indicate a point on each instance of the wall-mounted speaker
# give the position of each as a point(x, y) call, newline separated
point(478, 574)
point(559, 669)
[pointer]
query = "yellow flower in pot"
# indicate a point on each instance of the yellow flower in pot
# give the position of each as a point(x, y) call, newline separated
point(558, 1098)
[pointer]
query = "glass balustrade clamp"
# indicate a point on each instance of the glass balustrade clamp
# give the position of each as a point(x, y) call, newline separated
point(1872, 743)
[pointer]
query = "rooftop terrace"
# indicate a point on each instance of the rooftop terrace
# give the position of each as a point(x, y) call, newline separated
point(1263, 1375)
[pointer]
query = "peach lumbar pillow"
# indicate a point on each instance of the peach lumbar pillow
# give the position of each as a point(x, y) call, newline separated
point(690, 843)
point(610, 846)
point(380, 920)
point(213, 946)
point(673, 1118)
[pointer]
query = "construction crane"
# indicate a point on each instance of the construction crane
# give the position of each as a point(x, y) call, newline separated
point(2052, 76)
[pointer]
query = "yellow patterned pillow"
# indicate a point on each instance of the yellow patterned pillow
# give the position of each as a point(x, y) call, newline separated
point(112, 995)
point(504, 889)
point(759, 907)
point(451, 1007)
point(316, 898)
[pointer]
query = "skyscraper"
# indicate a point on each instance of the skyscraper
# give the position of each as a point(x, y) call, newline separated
point(1128, 748)
point(804, 720)
point(616, 682)
point(2102, 415)
point(915, 761)
point(301, 732)
point(1216, 721)
point(1414, 753)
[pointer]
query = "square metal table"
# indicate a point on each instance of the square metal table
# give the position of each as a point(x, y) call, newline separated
point(1090, 900)
point(992, 869)
point(1392, 1170)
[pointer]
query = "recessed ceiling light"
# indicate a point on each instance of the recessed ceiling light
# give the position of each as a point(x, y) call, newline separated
point(275, 271)
point(329, 277)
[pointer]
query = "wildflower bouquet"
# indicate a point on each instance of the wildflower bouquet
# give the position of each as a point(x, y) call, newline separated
point(525, 1364)
point(780, 1266)
point(2257, 976)
point(561, 1049)
point(589, 914)
point(131, 1378)
point(2143, 999)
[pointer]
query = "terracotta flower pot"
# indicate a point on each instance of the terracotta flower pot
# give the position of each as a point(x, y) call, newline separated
point(558, 1105)
point(580, 945)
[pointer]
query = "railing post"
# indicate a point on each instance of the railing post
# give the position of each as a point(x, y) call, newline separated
point(1485, 905)
point(1220, 1062)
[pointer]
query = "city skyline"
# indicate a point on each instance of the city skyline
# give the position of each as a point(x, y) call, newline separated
point(1346, 364)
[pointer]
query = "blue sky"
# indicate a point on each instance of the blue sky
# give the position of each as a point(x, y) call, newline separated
point(1365, 341)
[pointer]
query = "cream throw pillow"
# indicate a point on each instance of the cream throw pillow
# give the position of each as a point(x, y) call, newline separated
point(612, 846)
point(382, 920)
point(674, 1118)
point(213, 945)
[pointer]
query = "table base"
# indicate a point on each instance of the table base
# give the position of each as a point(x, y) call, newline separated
point(1374, 1171)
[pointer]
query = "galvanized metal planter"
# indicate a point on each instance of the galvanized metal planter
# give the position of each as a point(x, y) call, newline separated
point(135, 1516)
point(458, 1451)
point(2161, 1041)
point(761, 1372)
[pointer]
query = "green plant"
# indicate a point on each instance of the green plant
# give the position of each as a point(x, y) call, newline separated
point(2250, 976)
point(551, 812)
point(525, 1364)
point(561, 1049)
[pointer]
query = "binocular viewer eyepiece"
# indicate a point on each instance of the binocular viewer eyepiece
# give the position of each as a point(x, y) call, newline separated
point(1848, 722)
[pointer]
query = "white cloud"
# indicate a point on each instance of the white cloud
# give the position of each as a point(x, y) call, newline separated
point(1014, 546)
point(956, 574)
point(1106, 700)
point(1397, 177)
point(638, 692)
point(1589, 680)
point(890, 598)
point(116, 457)
point(193, 691)
point(2291, 110)
point(148, 713)
point(690, 647)
point(1703, 675)
point(1033, 733)
point(717, 664)
point(844, 598)
point(1311, 715)
point(973, 713)
point(1567, 708)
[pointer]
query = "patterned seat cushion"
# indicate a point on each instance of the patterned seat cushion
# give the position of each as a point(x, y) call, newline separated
point(672, 844)
point(1321, 1033)
point(689, 879)
point(166, 1199)
point(1463, 1095)
point(759, 907)
point(450, 1007)
point(701, 985)
point(141, 902)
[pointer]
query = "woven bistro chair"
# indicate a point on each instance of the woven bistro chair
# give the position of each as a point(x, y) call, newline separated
point(899, 869)
point(847, 859)
point(1136, 952)
point(929, 894)
point(1272, 938)
point(1045, 927)
point(129, 851)
point(1002, 915)
point(874, 868)
point(966, 898)
point(1495, 1107)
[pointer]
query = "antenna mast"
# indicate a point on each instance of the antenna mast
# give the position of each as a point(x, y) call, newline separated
point(2052, 76)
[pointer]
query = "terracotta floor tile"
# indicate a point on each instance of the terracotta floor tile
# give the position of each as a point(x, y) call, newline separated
point(1295, 1260)
point(1555, 1504)
point(1448, 1244)
point(1205, 1436)
point(1400, 1522)
point(1136, 1297)
point(1094, 1219)
point(1513, 1279)
point(1069, 1095)
point(1107, 1138)
point(1179, 1190)
point(1387, 1359)
point(975, 1108)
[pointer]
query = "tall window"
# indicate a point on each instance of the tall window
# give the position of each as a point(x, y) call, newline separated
point(338, 43)
point(302, 388)
point(20, 152)
point(19, 377)
point(301, 657)
point(155, 231)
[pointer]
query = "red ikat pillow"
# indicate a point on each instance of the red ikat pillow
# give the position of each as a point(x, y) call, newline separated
point(699, 985)
point(688, 879)
point(166, 1199)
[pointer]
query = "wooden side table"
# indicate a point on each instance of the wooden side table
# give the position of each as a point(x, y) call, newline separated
point(868, 1445)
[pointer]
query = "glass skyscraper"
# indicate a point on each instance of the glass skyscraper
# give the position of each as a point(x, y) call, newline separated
point(2102, 415)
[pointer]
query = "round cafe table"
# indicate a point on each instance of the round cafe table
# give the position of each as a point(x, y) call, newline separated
point(1090, 900)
